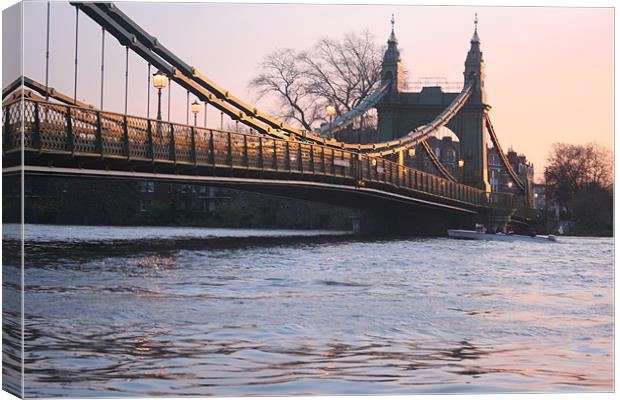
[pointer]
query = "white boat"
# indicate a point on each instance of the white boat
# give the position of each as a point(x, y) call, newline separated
point(502, 237)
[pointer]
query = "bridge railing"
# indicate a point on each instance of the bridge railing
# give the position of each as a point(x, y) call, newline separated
point(56, 128)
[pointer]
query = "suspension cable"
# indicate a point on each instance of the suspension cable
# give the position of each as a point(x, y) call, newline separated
point(102, 65)
point(75, 72)
point(47, 52)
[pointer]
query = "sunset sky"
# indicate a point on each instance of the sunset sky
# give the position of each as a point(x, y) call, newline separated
point(549, 70)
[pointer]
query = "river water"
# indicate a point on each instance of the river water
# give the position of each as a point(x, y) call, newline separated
point(175, 311)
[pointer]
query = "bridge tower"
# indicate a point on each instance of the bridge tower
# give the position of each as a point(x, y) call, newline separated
point(399, 112)
point(392, 75)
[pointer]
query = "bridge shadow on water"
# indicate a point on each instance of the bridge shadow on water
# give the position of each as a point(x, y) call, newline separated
point(41, 253)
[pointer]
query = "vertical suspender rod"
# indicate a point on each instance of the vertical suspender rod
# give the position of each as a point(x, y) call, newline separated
point(169, 90)
point(148, 92)
point(126, 76)
point(75, 71)
point(47, 52)
point(102, 64)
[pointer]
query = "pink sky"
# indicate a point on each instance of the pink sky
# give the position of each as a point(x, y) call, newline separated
point(549, 69)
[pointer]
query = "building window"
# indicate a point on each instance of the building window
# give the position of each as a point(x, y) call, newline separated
point(146, 205)
point(147, 187)
point(451, 156)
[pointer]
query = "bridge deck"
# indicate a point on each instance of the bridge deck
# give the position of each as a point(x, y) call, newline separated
point(69, 136)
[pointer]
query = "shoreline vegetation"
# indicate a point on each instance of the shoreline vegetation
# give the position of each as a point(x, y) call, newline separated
point(579, 185)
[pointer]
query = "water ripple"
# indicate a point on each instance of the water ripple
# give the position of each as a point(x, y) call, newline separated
point(313, 316)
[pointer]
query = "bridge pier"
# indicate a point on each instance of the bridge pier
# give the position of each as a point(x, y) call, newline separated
point(499, 219)
point(356, 226)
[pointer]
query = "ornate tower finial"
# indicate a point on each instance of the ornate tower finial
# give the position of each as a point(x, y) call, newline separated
point(392, 34)
point(475, 38)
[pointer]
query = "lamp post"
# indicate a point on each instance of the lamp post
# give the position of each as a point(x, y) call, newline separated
point(195, 110)
point(159, 82)
point(330, 111)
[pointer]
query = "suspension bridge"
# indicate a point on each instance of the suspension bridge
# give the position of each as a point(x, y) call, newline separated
point(47, 132)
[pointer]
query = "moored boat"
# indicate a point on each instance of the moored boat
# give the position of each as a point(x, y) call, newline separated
point(503, 237)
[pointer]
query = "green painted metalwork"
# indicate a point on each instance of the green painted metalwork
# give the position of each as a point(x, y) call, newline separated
point(245, 152)
point(126, 138)
point(193, 150)
point(172, 147)
point(108, 136)
point(36, 128)
point(68, 130)
point(149, 129)
point(98, 139)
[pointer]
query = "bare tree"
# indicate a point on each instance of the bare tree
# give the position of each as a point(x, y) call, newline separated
point(572, 168)
point(344, 72)
point(335, 72)
point(282, 74)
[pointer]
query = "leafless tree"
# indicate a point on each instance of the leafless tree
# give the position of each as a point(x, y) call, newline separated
point(344, 72)
point(334, 72)
point(282, 74)
point(572, 168)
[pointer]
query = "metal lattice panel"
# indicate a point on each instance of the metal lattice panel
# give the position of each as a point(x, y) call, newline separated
point(280, 149)
point(183, 143)
point(254, 160)
point(161, 140)
point(238, 150)
point(13, 130)
point(53, 126)
point(220, 145)
point(84, 127)
point(203, 150)
point(29, 124)
point(111, 134)
point(137, 136)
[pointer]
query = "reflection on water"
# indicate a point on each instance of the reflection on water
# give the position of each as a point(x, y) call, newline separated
point(317, 316)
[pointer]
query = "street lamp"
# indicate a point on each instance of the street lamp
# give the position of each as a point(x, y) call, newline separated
point(509, 185)
point(330, 111)
point(159, 82)
point(195, 107)
point(461, 163)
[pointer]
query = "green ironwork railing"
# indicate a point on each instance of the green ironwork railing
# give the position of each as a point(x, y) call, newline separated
point(55, 128)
